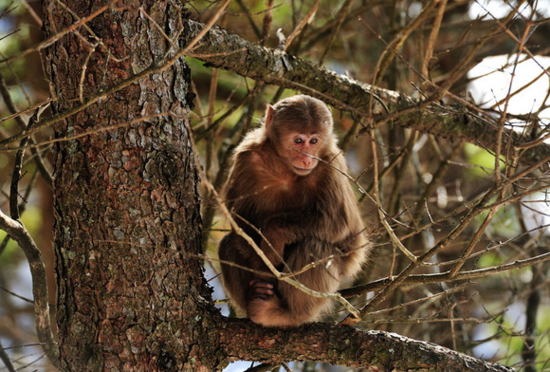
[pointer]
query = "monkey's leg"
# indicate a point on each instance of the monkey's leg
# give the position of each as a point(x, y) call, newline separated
point(289, 306)
point(235, 281)
point(353, 251)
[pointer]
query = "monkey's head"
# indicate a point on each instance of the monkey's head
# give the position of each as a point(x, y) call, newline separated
point(300, 128)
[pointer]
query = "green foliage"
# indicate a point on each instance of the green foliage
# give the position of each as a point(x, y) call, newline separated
point(482, 161)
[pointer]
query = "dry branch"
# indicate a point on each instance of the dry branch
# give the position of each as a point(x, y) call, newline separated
point(219, 48)
point(40, 290)
point(447, 276)
point(354, 347)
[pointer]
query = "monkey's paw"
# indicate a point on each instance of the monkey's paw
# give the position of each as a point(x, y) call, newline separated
point(261, 290)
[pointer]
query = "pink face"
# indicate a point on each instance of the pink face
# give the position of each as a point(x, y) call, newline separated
point(302, 151)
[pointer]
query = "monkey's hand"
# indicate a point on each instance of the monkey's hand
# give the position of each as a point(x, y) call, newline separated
point(273, 246)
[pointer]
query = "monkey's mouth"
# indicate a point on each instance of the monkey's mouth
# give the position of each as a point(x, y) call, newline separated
point(302, 171)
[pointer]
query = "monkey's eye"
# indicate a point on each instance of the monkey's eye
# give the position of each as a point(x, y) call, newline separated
point(313, 141)
point(298, 140)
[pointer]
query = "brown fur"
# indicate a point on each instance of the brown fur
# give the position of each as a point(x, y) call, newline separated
point(306, 208)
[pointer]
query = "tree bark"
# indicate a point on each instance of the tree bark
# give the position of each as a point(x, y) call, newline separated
point(131, 295)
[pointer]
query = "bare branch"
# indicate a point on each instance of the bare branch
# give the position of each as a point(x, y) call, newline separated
point(446, 276)
point(460, 120)
point(59, 35)
point(359, 348)
point(6, 359)
point(40, 290)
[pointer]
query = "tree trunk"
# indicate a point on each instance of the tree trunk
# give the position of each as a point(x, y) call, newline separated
point(130, 287)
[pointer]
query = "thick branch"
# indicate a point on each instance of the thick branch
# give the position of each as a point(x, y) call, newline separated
point(40, 290)
point(224, 50)
point(347, 346)
point(221, 49)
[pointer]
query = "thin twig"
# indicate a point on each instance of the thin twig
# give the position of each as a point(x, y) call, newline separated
point(308, 18)
point(5, 358)
point(422, 279)
point(46, 43)
point(154, 68)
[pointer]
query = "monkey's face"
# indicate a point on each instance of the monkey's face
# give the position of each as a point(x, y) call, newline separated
point(301, 151)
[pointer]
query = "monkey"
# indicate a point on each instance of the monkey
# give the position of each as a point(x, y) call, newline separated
point(287, 189)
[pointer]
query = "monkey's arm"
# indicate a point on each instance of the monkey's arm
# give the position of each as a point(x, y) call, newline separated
point(249, 195)
point(332, 216)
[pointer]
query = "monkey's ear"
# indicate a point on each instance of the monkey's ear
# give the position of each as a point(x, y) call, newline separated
point(269, 116)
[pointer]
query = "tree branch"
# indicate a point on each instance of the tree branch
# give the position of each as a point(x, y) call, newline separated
point(218, 48)
point(339, 345)
point(447, 276)
point(40, 290)
point(38, 160)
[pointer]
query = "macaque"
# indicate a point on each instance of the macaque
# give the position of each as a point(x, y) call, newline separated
point(288, 183)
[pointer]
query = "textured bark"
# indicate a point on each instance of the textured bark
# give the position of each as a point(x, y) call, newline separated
point(130, 297)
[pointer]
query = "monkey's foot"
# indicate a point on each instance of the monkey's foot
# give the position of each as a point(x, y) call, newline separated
point(260, 289)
